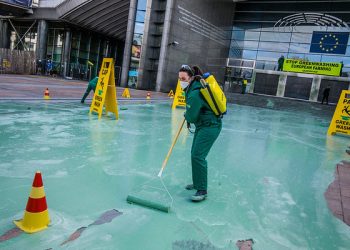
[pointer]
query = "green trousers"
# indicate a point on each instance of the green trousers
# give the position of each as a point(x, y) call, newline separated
point(87, 92)
point(244, 86)
point(203, 140)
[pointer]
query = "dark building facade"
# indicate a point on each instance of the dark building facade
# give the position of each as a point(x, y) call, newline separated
point(202, 29)
point(151, 39)
point(176, 32)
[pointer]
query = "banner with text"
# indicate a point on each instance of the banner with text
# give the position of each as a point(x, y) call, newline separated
point(318, 68)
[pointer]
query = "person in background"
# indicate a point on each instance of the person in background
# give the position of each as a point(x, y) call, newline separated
point(244, 81)
point(91, 86)
point(208, 127)
point(341, 68)
point(326, 92)
point(40, 67)
point(244, 85)
point(48, 66)
point(280, 63)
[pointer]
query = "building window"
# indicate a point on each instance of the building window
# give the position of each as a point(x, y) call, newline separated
point(265, 44)
point(136, 44)
point(54, 49)
point(28, 42)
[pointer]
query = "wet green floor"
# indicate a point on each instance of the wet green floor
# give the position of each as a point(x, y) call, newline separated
point(267, 175)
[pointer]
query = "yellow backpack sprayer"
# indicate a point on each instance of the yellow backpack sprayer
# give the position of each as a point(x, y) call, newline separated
point(213, 94)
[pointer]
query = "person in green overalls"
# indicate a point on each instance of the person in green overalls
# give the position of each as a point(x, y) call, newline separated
point(91, 86)
point(280, 63)
point(208, 127)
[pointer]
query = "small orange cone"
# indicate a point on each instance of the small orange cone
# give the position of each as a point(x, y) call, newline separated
point(36, 216)
point(148, 96)
point(47, 94)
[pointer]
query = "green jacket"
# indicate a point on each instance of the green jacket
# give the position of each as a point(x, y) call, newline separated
point(93, 83)
point(198, 111)
point(281, 61)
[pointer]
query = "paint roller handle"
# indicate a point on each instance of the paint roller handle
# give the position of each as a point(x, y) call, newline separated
point(171, 149)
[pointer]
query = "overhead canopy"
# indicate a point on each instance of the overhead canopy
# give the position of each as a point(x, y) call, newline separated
point(109, 17)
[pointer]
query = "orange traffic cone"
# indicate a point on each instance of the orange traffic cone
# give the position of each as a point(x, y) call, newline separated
point(47, 94)
point(148, 96)
point(36, 216)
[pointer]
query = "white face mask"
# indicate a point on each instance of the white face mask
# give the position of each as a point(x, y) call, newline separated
point(184, 84)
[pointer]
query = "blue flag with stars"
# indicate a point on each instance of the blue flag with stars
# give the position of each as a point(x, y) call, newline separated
point(329, 42)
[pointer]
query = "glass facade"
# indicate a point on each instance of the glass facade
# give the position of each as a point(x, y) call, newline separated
point(136, 44)
point(85, 47)
point(265, 44)
point(28, 42)
point(55, 48)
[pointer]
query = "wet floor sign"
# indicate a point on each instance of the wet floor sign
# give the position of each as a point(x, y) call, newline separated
point(105, 93)
point(171, 94)
point(179, 100)
point(126, 93)
point(341, 119)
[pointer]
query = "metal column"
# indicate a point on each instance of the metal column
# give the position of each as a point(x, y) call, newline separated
point(4, 34)
point(164, 44)
point(128, 43)
point(42, 40)
point(66, 52)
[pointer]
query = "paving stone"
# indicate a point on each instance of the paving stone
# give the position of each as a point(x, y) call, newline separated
point(19, 86)
point(345, 191)
point(347, 216)
point(338, 192)
point(346, 202)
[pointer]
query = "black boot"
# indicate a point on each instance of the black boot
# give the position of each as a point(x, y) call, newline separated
point(200, 195)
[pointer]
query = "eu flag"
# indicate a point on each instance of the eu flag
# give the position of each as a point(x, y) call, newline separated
point(329, 42)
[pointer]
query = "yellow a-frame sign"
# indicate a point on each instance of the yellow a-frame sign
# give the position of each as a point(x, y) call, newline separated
point(126, 93)
point(341, 119)
point(180, 99)
point(105, 93)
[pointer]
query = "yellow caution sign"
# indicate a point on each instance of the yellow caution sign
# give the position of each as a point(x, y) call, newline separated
point(105, 93)
point(6, 63)
point(126, 93)
point(341, 119)
point(171, 94)
point(180, 99)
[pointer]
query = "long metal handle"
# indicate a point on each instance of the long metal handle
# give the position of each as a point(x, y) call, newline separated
point(171, 149)
point(204, 83)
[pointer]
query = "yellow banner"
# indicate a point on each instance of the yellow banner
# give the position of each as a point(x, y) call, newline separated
point(341, 119)
point(180, 99)
point(318, 68)
point(105, 93)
